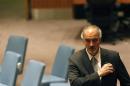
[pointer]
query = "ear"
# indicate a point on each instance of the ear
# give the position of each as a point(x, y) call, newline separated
point(81, 35)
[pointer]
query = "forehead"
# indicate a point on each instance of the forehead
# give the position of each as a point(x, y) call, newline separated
point(91, 33)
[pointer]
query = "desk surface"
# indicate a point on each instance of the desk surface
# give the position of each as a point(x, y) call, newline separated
point(124, 1)
point(85, 1)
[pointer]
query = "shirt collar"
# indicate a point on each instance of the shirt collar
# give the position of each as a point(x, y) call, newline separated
point(97, 56)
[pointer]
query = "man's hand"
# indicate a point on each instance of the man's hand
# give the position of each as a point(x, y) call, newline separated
point(106, 69)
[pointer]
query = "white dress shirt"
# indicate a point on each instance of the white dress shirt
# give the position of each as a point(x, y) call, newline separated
point(97, 57)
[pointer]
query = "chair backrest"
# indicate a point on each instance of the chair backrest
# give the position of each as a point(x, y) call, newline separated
point(33, 74)
point(8, 74)
point(60, 66)
point(18, 44)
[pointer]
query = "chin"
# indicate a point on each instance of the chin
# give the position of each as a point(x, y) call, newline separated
point(92, 53)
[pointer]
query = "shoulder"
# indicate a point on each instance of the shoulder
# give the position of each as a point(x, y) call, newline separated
point(77, 55)
point(110, 54)
point(108, 51)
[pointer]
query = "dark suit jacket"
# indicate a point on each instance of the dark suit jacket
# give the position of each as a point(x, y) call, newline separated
point(81, 72)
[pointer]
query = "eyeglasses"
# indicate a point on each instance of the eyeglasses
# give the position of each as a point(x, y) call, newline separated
point(91, 40)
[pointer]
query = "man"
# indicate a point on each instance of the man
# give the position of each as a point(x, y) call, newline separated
point(104, 70)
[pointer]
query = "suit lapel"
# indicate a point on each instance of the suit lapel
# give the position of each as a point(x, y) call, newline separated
point(104, 57)
point(86, 62)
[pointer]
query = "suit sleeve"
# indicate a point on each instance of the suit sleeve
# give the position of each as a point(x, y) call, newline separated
point(123, 75)
point(78, 79)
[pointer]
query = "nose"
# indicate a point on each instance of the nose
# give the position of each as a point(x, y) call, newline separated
point(91, 43)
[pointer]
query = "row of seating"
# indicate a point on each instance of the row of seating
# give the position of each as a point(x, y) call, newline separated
point(13, 63)
point(9, 71)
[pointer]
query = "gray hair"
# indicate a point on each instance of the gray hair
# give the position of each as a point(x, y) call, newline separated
point(91, 26)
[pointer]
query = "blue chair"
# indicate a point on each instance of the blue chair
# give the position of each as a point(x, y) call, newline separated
point(33, 74)
point(18, 44)
point(9, 71)
point(60, 67)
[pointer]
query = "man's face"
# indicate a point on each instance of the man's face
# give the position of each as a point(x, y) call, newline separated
point(92, 41)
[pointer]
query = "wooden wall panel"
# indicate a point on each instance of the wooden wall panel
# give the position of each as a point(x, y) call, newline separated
point(51, 3)
point(62, 3)
point(124, 1)
point(78, 2)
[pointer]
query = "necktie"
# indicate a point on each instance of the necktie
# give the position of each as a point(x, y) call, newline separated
point(94, 63)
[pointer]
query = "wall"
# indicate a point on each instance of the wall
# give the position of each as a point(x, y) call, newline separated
point(76, 2)
point(124, 1)
point(51, 3)
point(52, 9)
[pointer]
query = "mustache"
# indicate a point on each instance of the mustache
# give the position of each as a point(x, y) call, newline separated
point(92, 47)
